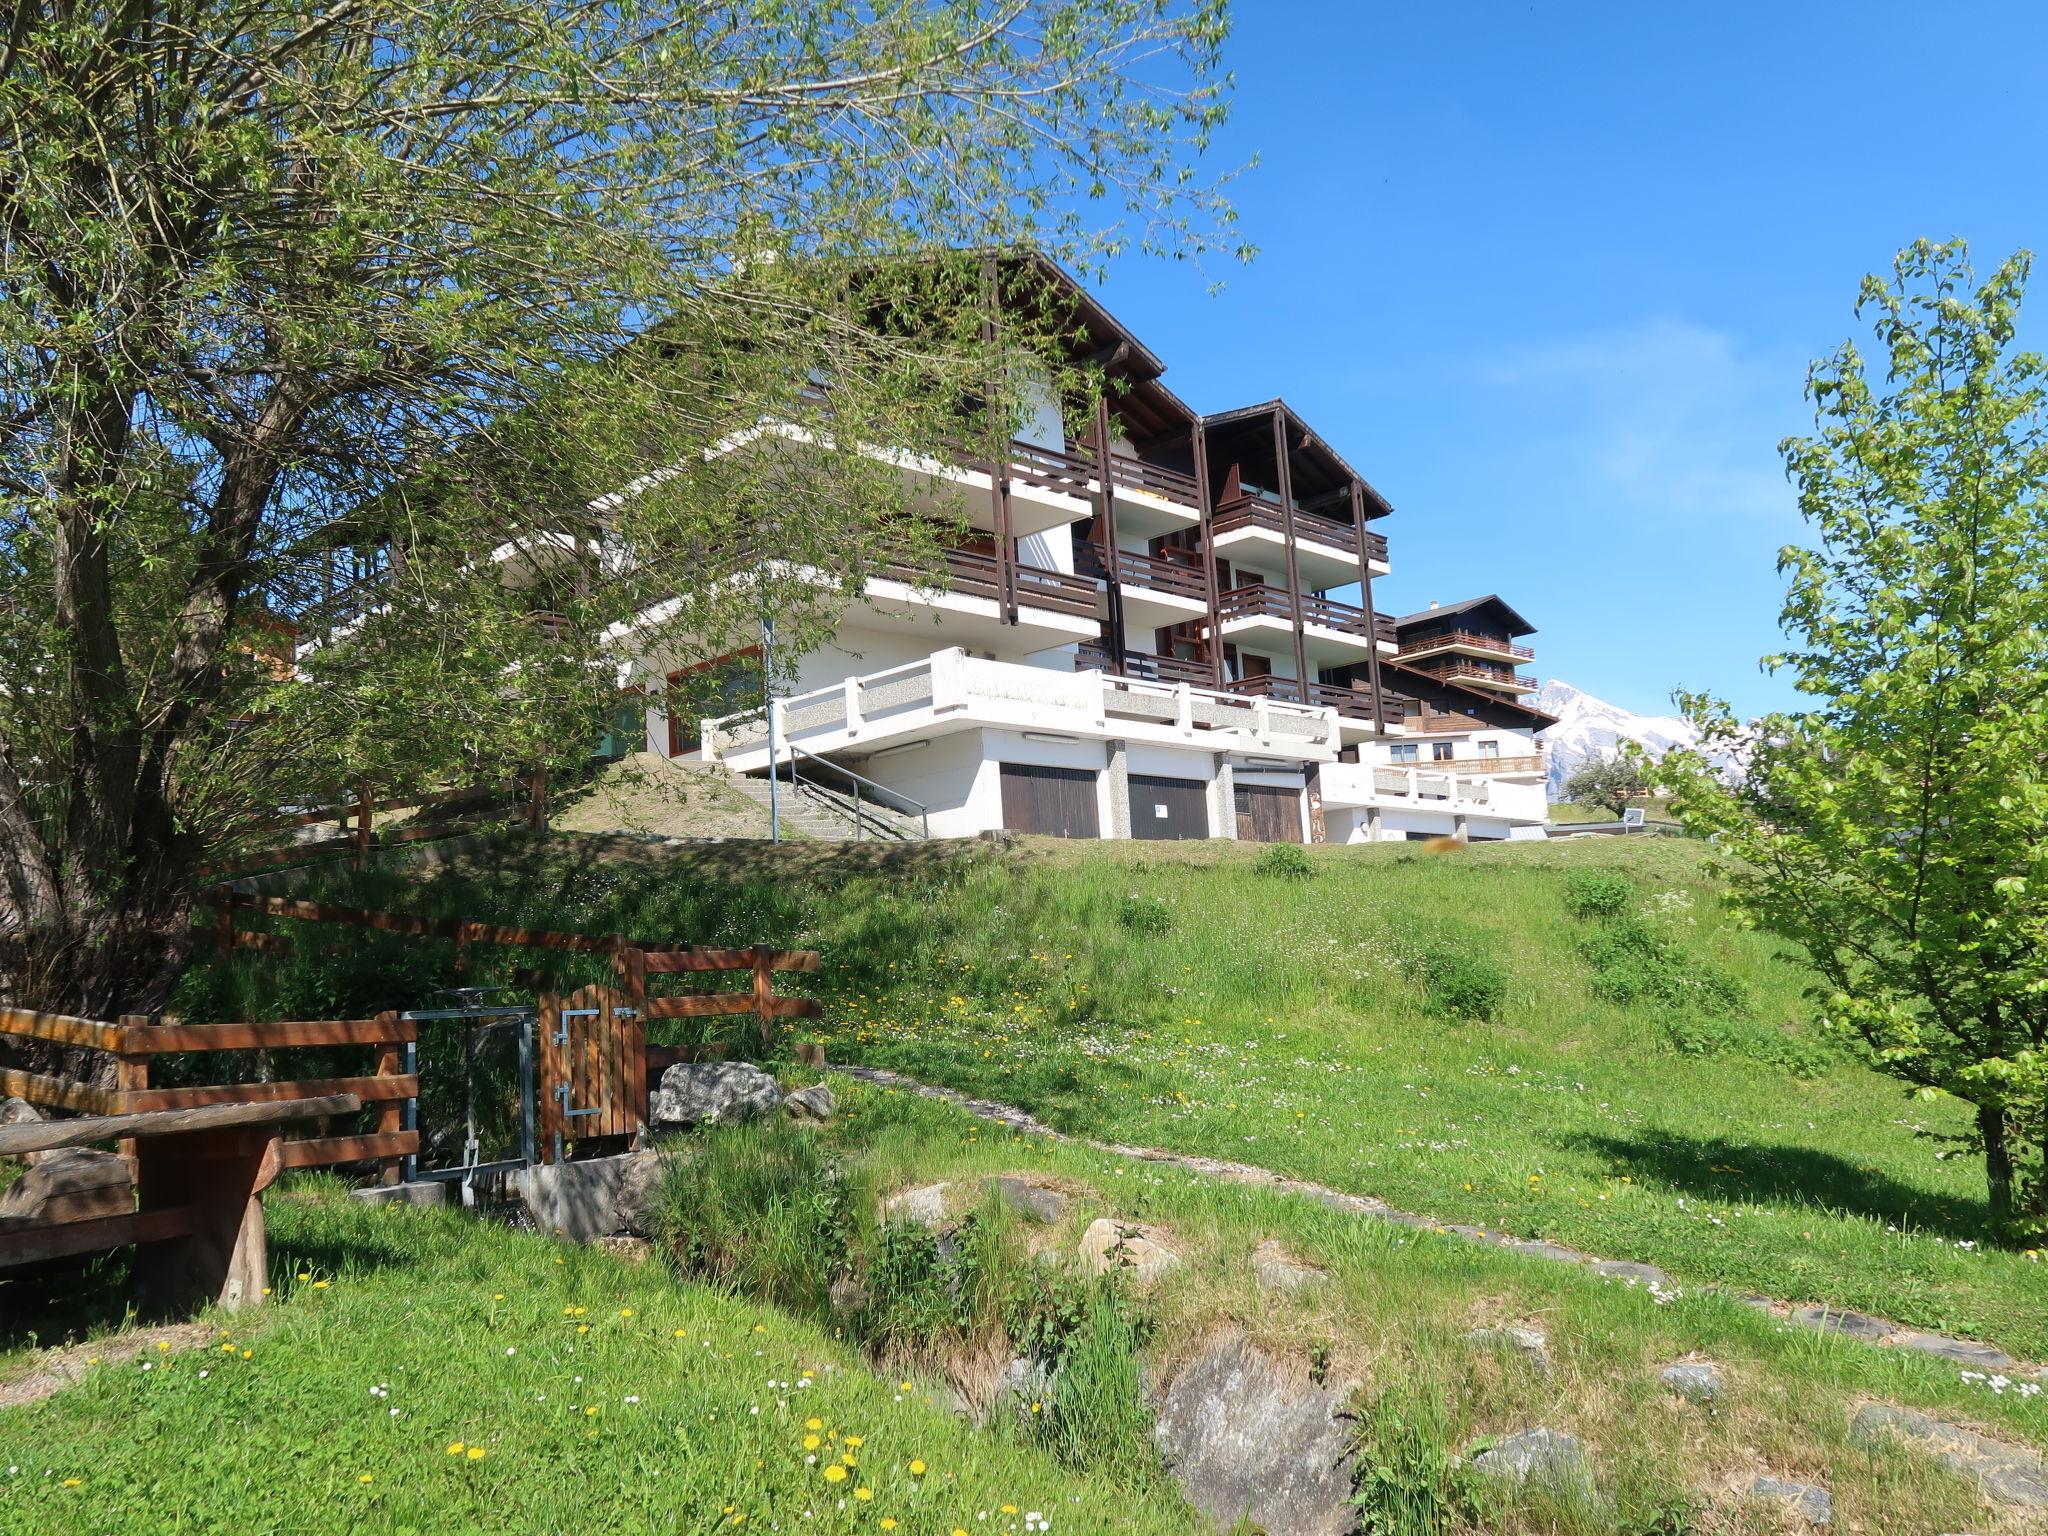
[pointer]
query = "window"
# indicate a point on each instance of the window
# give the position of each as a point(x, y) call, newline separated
point(1440, 751)
point(1488, 750)
point(1405, 752)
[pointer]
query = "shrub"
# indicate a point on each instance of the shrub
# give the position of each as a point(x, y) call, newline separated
point(762, 1208)
point(1147, 915)
point(1407, 1478)
point(1098, 1416)
point(1459, 982)
point(1598, 893)
point(1284, 861)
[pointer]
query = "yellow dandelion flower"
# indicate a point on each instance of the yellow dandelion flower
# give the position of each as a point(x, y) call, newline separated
point(1009, 1509)
point(835, 1474)
point(475, 1453)
point(849, 1459)
point(73, 1482)
point(625, 1311)
point(811, 1442)
point(888, 1523)
point(863, 1494)
point(365, 1478)
point(456, 1448)
point(904, 1385)
point(917, 1469)
point(248, 1354)
point(591, 1411)
point(855, 1441)
point(814, 1423)
point(319, 1285)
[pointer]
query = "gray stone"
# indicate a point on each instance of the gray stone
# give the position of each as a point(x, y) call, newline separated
point(71, 1184)
point(1547, 1458)
point(2006, 1472)
point(1816, 1506)
point(425, 1192)
point(1279, 1271)
point(591, 1199)
point(813, 1103)
point(1515, 1338)
point(1962, 1351)
point(1696, 1381)
point(712, 1093)
point(639, 1201)
point(1108, 1245)
point(925, 1205)
point(1537, 1248)
point(18, 1111)
point(1253, 1440)
point(1019, 1385)
point(847, 1294)
point(1854, 1325)
point(1626, 1269)
point(1034, 1202)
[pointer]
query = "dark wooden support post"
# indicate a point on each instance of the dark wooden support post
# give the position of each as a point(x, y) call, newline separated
point(1372, 662)
point(220, 1177)
point(366, 810)
point(1106, 504)
point(1203, 505)
point(537, 801)
point(390, 1112)
point(998, 462)
point(131, 1076)
point(1304, 684)
point(764, 997)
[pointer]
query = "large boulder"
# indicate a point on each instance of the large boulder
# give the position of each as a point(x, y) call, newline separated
point(589, 1200)
point(923, 1205)
point(1112, 1245)
point(1256, 1443)
point(813, 1103)
point(712, 1093)
point(1034, 1202)
point(71, 1184)
point(1545, 1457)
point(2007, 1472)
point(1801, 1501)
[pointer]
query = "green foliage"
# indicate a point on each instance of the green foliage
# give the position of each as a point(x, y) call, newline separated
point(1284, 861)
point(1614, 782)
point(762, 1208)
point(1458, 981)
point(1147, 915)
point(1407, 1476)
point(1598, 893)
point(1896, 828)
point(1098, 1417)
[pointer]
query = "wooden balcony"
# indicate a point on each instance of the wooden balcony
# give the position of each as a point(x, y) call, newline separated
point(1260, 600)
point(1265, 516)
point(1475, 674)
point(1352, 703)
point(1154, 573)
point(1461, 639)
point(1072, 472)
point(974, 574)
point(1162, 669)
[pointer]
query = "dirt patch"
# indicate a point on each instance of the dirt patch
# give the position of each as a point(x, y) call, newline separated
point(651, 795)
point(54, 1370)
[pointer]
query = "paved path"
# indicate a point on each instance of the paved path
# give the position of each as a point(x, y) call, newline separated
point(1855, 1325)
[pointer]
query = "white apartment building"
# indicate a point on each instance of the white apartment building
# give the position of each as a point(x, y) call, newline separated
point(1139, 637)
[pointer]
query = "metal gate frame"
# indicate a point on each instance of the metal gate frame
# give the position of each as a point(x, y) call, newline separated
point(523, 1015)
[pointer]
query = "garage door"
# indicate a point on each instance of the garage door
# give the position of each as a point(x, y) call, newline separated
point(1268, 813)
point(1059, 802)
point(1164, 808)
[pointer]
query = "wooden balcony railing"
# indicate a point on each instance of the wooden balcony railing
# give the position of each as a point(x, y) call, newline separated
point(1260, 600)
point(1440, 642)
point(1152, 572)
point(975, 574)
point(1352, 703)
point(1257, 512)
point(1163, 669)
point(1072, 472)
point(1457, 669)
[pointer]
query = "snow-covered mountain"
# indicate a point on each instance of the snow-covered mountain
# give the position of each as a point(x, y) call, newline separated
point(1588, 727)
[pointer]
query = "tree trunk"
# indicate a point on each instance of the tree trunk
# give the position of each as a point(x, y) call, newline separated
point(1998, 1169)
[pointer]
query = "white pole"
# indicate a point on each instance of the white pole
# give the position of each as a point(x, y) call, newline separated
point(774, 751)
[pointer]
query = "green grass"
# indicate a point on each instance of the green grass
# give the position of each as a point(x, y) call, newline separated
point(1177, 995)
point(603, 1397)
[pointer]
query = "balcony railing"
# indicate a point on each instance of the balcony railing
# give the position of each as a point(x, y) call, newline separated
point(1474, 672)
point(1265, 516)
point(1071, 472)
point(1154, 573)
point(1352, 703)
point(1162, 669)
point(975, 574)
point(1455, 637)
point(1260, 600)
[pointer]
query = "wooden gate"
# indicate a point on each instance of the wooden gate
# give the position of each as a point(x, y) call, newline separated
point(1059, 802)
point(1168, 808)
point(1268, 813)
point(593, 1060)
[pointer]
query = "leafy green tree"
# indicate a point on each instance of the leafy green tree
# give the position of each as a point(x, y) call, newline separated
point(1897, 827)
point(394, 288)
point(1613, 782)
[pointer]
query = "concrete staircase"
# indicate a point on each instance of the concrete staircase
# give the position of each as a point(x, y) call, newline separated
point(822, 813)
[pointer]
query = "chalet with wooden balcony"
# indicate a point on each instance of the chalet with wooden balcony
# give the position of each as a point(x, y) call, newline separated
point(1472, 643)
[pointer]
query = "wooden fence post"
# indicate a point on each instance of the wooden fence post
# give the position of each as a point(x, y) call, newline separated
point(537, 801)
point(223, 925)
point(365, 810)
point(390, 1112)
point(131, 1076)
point(764, 996)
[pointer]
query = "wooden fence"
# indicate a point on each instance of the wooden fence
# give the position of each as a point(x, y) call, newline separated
point(465, 810)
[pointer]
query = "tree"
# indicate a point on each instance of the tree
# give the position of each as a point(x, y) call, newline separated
point(1613, 782)
point(1897, 827)
point(393, 287)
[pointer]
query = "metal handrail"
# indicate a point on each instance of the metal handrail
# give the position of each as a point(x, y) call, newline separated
point(880, 793)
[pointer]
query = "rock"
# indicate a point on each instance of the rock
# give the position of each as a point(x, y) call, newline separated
point(1963, 1351)
point(2005, 1472)
point(1279, 1271)
point(847, 1294)
point(1034, 1202)
point(18, 1111)
point(1020, 1384)
point(593, 1198)
point(1855, 1325)
point(1545, 1457)
point(713, 1093)
point(1626, 1269)
point(423, 1192)
point(1255, 1443)
point(925, 1205)
point(1108, 1245)
point(1697, 1381)
point(634, 1250)
point(71, 1184)
point(813, 1103)
point(1816, 1506)
point(1530, 1343)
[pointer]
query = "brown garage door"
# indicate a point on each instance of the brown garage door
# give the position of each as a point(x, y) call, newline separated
point(1059, 802)
point(1268, 813)
point(1164, 808)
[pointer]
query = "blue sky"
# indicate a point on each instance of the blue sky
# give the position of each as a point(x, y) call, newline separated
point(1550, 277)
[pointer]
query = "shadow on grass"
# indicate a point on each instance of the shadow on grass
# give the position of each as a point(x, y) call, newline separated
point(1715, 1168)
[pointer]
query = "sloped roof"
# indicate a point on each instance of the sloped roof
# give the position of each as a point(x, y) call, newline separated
point(1517, 625)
